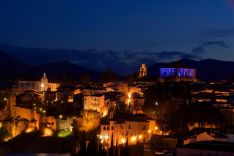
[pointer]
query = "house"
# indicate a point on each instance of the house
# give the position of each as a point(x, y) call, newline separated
point(207, 136)
point(38, 86)
point(206, 148)
point(96, 103)
point(134, 128)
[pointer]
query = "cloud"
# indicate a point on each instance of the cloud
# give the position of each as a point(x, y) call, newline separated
point(201, 49)
point(120, 62)
point(175, 55)
point(161, 56)
point(225, 32)
point(221, 44)
point(198, 50)
point(145, 43)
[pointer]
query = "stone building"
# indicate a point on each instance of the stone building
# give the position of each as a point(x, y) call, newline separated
point(38, 86)
point(135, 128)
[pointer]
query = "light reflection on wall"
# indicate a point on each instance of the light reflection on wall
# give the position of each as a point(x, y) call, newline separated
point(179, 72)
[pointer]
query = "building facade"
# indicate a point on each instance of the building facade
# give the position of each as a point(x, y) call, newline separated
point(38, 86)
point(133, 129)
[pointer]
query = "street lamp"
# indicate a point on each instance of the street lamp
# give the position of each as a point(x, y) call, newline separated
point(156, 103)
point(129, 95)
point(123, 140)
point(133, 139)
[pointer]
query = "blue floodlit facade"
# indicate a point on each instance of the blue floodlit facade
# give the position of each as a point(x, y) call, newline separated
point(177, 72)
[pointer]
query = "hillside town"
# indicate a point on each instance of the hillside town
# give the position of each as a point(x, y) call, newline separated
point(173, 114)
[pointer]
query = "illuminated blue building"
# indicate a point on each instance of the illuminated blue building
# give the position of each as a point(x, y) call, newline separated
point(177, 72)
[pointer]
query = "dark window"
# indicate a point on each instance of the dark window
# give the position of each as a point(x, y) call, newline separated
point(104, 128)
point(112, 127)
point(108, 128)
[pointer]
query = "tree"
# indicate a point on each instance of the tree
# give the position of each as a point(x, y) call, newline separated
point(124, 150)
point(132, 77)
point(83, 145)
point(111, 150)
point(202, 113)
point(92, 146)
point(67, 79)
point(101, 151)
point(109, 76)
point(116, 148)
point(84, 79)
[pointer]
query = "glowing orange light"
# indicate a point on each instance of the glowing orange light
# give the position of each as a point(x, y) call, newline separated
point(106, 137)
point(149, 131)
point(133, 139)
point(123, 140)
point(60, 116)
point(129, 95)
point(29, 129)
point(140, 137)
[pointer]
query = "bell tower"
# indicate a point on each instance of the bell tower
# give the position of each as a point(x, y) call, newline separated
point(143, 71)
point(44, 82)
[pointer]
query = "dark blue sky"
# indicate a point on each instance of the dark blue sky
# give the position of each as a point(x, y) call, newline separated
point(200, 27)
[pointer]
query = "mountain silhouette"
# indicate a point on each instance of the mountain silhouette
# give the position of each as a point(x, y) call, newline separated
point(206, 70)
point(12, 69)
point(59, 62)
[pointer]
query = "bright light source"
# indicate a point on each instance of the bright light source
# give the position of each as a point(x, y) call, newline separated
point(101, 137)
point(149, 131)
point(156, 103)
point(42, 85)
point(106, 137)
point(129, 95)
point(29, 129)
point(1, 124)
point(156, 128)
point(140, 137)
point(60, 116)
point(123, 140)
point(5, 99)
point(48, 132)
point(6, 139)
point(133, 139)
point(104, 113)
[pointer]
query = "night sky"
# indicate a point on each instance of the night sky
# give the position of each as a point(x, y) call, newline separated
point(204, 28)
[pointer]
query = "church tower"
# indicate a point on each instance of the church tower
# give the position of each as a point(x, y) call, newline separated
point(44, 83)
point(143, 71)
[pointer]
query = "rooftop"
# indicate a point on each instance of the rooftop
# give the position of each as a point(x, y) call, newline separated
point(211, 145)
